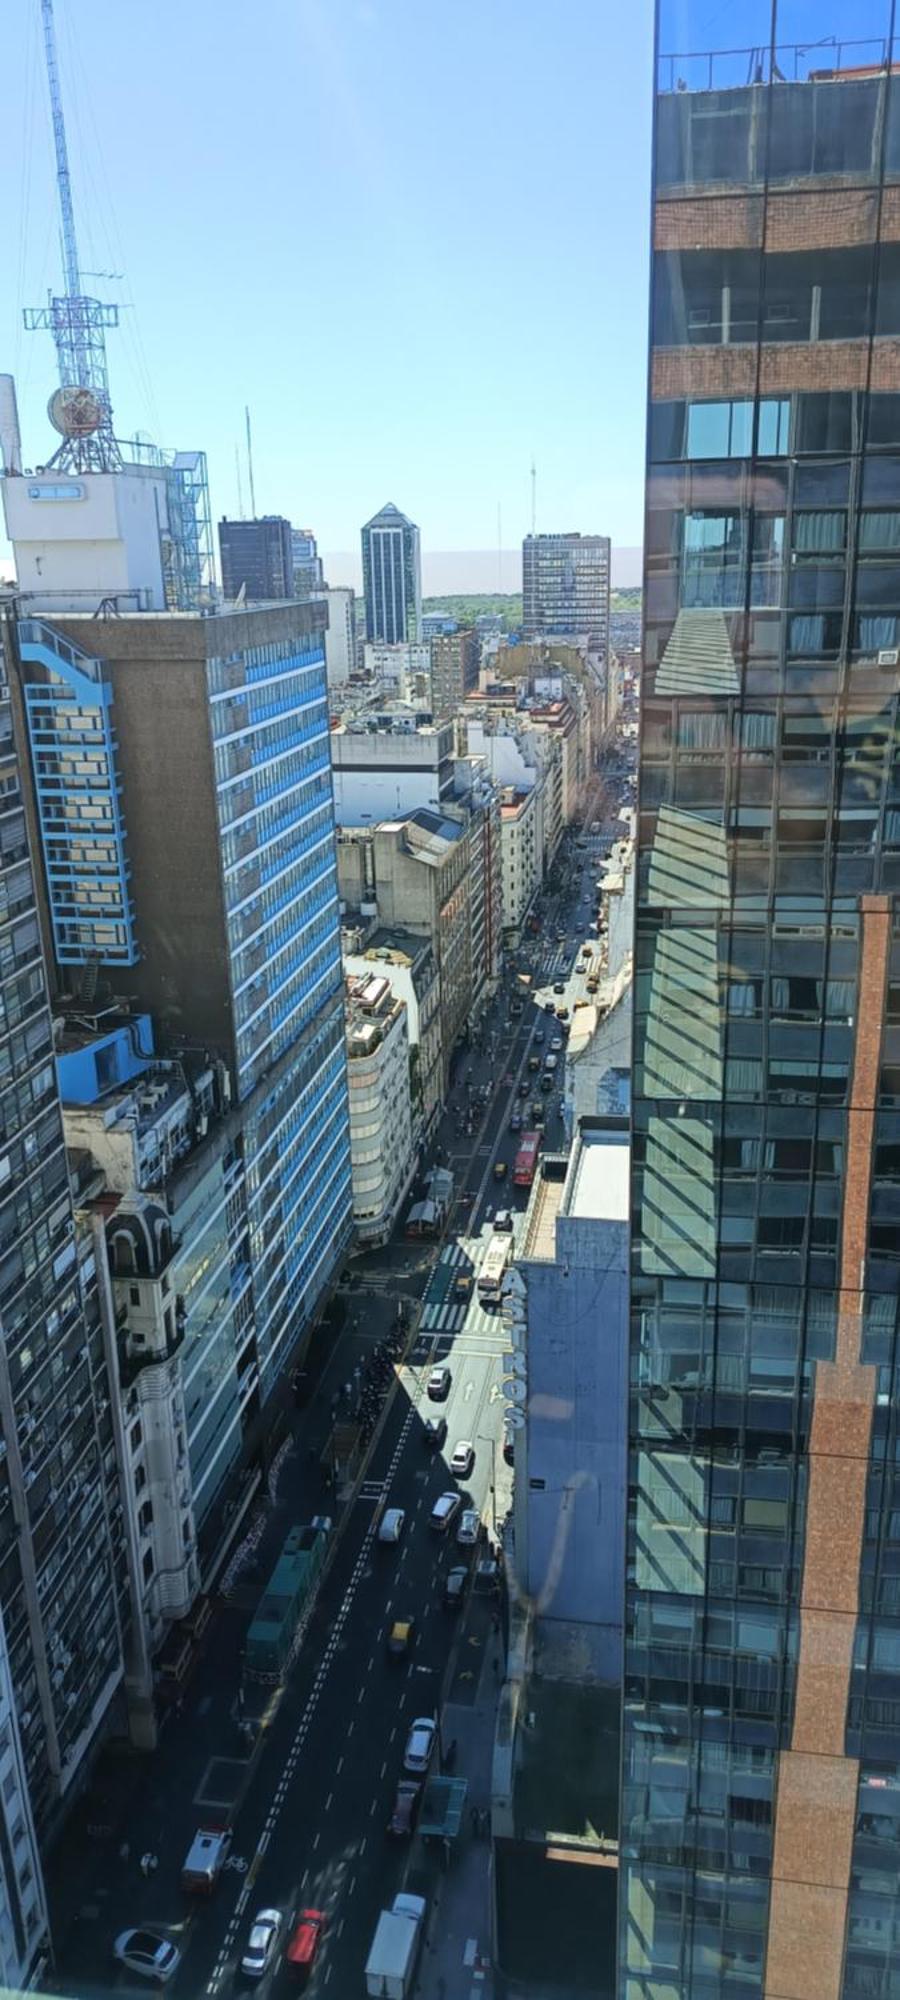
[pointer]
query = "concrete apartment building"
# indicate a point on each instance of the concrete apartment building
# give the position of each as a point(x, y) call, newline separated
point(455, 659)
point(340, 636)
point(386, 763)
point(181, 804)
point(521, 850)
point(65, 1612)
point(410, 964)
point(474, 790)
point(415, 873)
point(382, 1148)
point(401, 671)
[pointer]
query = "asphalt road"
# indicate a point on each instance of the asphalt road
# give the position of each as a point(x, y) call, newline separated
point(311, 1828)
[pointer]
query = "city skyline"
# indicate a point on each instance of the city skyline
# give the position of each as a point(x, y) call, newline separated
point(457, 419)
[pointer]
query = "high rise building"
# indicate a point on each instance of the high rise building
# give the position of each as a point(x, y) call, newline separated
point(760, 1818)
point(181, 795)
point(565, 588)
point(307, 564)
point(63, 1600)
point(340, 637)
point(257, 558)
point(454, 669)
point(392, 577)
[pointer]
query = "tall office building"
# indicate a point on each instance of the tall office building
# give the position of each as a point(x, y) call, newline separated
point(257, 557)
point(181, 794)
point(307, 564)
point(63, 1613)
point(392, 577)
point(760, 1823)
point(565, 588)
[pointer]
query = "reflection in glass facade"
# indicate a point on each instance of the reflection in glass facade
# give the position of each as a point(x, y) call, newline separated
point(760, 1835)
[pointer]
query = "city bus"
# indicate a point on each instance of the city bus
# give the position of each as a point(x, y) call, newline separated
point(526, 1159)
point(490, 1277)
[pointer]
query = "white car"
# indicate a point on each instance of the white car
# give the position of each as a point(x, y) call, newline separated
point(463, 1458)
point(262, 1943)
point(420, 1744)
point(390, 1527)
point(556, 1045)
point(147, 1953)
point(469, 1528)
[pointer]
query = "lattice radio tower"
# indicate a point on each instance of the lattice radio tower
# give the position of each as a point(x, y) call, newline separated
point(80, 408)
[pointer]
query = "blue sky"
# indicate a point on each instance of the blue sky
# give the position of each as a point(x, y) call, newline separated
point(412, 235)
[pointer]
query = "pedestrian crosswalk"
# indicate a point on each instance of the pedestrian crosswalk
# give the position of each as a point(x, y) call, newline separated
point(442, 1318)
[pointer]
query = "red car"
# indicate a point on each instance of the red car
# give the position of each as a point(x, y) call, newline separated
point(306, 1938)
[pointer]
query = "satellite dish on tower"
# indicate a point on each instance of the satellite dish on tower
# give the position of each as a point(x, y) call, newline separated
point(75, 413)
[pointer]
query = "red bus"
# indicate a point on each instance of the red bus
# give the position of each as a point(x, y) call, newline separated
point(527, 1159)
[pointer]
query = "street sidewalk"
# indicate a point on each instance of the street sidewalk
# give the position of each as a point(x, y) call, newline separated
point(456, 1961)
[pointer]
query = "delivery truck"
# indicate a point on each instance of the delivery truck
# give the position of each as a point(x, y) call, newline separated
point(391, 1964)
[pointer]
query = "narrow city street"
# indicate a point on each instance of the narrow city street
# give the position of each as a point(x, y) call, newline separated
point(315, 1793)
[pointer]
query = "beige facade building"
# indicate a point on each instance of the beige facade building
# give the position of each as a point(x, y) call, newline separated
point(410, 964)
point(454, 669)
point(382, 1148)
point(415, 873)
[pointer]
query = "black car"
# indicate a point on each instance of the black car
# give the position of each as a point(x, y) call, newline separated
point(559, 986)
point(435, 1432)
point(539, 1036)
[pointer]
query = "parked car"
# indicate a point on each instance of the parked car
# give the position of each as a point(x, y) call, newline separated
point(469, 1529)
point(306, 1938)
point(435, 1432)
point(390, 1527)
point(262, 1943)
point(444, 1512)
point(405, 1808)
point(420, 1744)
point(147, 1953)
point(438, 1388)
point(455, 1588)
point(463, 1458)
point(401, 1638)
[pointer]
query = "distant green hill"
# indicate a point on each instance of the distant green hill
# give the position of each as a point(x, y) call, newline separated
point(466, 609)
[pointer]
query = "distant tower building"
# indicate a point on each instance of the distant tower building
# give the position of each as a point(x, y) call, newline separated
point(392, 577)
point(307, 564)
point(565, 587)
point(258, 558)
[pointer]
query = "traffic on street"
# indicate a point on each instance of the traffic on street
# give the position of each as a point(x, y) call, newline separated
point(311, 1788)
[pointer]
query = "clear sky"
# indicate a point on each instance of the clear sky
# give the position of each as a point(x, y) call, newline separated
point(412, 235)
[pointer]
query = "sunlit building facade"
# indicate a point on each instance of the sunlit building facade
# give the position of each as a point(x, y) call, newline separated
point(760, 1819)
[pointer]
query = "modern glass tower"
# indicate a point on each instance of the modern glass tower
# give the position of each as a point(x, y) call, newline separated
point(760, 1834)
point(392, 578)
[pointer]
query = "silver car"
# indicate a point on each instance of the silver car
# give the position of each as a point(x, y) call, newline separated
point(262, 1943)
point(148, 1953)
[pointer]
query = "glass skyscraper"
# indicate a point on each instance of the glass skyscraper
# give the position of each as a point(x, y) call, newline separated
point(392, 577)
point(760, 1829)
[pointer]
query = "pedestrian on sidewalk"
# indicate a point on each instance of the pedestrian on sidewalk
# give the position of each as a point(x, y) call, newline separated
point(145, 1865)
point(125, 1851)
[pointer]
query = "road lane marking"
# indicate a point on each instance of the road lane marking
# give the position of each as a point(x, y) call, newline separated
point(328, 1801)
point(316, 1841)
point(383, 1768)
point(340, 1764)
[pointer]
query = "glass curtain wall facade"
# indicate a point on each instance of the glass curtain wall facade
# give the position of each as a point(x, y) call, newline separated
point(760, 1835)
point(392, 578)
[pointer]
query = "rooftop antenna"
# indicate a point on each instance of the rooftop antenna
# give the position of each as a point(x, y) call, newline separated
point(79, 409)
point(250, 463)
point(533, 497)
point(240, 489)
